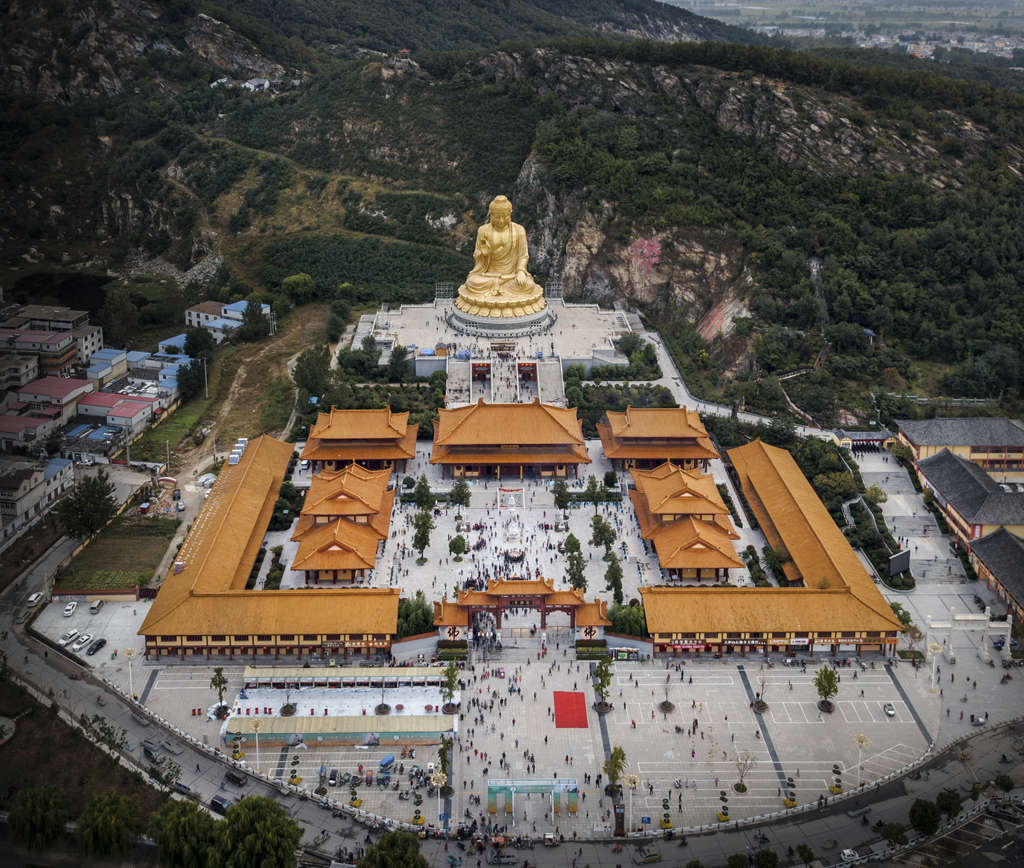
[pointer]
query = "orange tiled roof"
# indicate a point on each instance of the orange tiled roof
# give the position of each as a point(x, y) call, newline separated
point(533, 424)
point(360, 425)
point(657, 422)
point(776, 610)
point(689, 543)
point(670, 490)
point(208, 596)
point(790, 513)
point(497, 455)
point(350, 491)
point(449, 614)
point(337, 545)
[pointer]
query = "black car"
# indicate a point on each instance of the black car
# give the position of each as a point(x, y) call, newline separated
point(332, 781)
point(95, 646)
point(220, 804)
point(236, 778)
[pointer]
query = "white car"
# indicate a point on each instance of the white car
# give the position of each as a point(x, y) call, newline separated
point(67, 637)
point(81, 642)
point(34, 599)
point(69, 609)
point(889, 709)
point(849, 855)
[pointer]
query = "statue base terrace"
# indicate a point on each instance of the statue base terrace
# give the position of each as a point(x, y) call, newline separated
point(501, 326)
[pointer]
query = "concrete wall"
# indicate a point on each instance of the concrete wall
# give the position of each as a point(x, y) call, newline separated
point(408, 650)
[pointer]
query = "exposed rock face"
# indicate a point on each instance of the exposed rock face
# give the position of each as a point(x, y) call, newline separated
point(87, 50)
point(216, 44)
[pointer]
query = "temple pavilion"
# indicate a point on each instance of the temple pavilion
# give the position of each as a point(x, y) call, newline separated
point(648, 437)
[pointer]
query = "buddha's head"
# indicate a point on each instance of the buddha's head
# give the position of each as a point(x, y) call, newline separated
point(501, 212)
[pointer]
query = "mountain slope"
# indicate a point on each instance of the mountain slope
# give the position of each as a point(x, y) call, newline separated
point(467, 25)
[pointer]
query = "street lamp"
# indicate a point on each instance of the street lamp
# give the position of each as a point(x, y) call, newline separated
point(256, 724)
point(936, 650)
point(631, 781)
point(129, 653)
point(861, 741)
point(438, 779)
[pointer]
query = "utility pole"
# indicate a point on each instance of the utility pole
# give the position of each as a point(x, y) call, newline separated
point(206, 387)
point(168, 442)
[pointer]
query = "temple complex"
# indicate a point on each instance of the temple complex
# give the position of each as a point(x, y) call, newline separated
point(509, 440)
point(207, 606)
point(646, 437)
point(346, 515)
point(374, 439)
point(683, 514)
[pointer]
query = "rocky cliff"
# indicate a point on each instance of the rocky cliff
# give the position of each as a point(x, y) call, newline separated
point(82, 49)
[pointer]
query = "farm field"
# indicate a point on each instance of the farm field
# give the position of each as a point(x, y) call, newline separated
point(124, 555)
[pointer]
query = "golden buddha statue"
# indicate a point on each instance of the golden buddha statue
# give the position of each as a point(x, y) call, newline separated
point(499, 284)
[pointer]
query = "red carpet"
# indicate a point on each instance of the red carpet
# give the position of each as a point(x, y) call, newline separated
point(570, 710)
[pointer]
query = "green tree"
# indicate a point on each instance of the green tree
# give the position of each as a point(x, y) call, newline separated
point(575, 571)
point(299, 287)
point(572, 544)
point(457, 546)
point(312, 370)
point(874, 496)
point(415, 616)
point(615, 765)
point(254, 322)
point(902, 614)
point(423, 524)
point(610, 479)
point(630, 343)
point(737, 860)
point(695, 863)
point(925, 817)
point(826, 682)
point(184, 833)
point(394, 850)
point(613, 577)
point(106, 827)
point(88, 507)
point(460, 494)
point(199, 342)
point(119, 318)
point(38, 817)
point(774, 558)
point(398, 364)
point(594, 492)
point(913, 635)
point(894, 834)
point(422, 496)
point(805, 854)
point(560, 492)
point(975, 792)
point(766, 858)
point(602, 679)
point(191, 379)
point(449, 682)
point(444, 762)
point(1004, 782)
point(602, 534)
point(256, 831)
point(629, 620)
point(219, 683)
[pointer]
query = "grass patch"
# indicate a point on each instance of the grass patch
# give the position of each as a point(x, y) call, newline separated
point(278, 409)
point(45, 750)
point(124, 555)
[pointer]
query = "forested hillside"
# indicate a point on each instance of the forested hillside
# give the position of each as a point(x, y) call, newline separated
point(695, 181)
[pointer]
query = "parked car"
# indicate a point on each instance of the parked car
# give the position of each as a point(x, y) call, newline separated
point(889, 709)
point(34, 600)
point(645, 855)
point(67, 637)
point(69, 609)
point(22, 618)
point(184, 789)
point(235, 777)
point(497, 857)
point(332, 781)
point(92, 649)
point(220, 804)
point(82, 641)
point(849, 855)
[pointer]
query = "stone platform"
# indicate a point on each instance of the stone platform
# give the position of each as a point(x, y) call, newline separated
point(502, 327)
